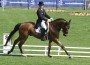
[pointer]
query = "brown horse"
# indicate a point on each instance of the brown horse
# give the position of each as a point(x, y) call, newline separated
point(28, 28)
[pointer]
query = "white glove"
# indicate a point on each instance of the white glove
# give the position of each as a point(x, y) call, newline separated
point(51, 19)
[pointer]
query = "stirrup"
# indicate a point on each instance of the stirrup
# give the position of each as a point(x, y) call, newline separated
point(43, 39)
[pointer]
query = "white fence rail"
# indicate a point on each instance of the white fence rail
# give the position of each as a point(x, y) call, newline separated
point(75, 51)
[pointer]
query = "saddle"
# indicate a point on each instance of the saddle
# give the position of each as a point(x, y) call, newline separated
point(38, 30)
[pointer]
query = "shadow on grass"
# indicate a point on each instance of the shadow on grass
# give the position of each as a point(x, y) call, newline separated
point(16, 55)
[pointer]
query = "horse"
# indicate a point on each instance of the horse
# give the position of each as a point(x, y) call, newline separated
point(28, 29)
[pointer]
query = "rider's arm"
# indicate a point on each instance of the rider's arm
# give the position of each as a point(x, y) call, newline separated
point(46, 15)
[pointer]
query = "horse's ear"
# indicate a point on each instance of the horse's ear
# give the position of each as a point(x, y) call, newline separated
point(69, 21)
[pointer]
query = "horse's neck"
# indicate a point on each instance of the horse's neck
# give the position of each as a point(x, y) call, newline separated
point(57, 26)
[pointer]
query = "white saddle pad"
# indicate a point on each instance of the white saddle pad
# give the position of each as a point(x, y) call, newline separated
point(38, 30)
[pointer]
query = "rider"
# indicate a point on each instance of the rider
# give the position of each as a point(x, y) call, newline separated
point(42, 20)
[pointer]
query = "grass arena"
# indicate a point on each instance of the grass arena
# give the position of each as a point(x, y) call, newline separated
point(79, 35)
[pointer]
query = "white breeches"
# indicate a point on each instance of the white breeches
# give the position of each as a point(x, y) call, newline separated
point(43, 25)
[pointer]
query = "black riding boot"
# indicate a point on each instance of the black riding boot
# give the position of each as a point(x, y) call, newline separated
point(43, 38)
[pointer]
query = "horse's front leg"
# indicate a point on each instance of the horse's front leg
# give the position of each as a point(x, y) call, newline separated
point(49, 48)
point(59, 44)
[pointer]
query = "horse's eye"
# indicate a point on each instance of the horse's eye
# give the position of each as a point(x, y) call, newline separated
point(67, 27)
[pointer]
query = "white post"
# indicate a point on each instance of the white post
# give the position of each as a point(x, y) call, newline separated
point(3, 4)
point(45, 51)
point(8, 47)
point(59, 51)
point(85, 5)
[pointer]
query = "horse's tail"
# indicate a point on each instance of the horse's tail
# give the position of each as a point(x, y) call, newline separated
point(16, 28)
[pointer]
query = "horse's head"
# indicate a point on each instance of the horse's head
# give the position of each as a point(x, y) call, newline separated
point(61, 23)
point(66, 27)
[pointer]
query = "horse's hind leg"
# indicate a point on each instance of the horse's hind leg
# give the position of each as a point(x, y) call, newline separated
point(15, 42)
point(20, 44)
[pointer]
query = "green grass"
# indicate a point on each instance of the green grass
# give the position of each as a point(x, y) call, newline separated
point(79, 35)
point(43, 61)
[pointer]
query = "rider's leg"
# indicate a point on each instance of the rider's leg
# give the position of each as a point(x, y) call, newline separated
point(43, 25)
point(43, 30)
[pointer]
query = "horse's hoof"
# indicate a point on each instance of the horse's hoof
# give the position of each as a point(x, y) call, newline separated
point(24, 55)
point(49, 56)
point(5, 45)
point(70, 57)
point(8, 52)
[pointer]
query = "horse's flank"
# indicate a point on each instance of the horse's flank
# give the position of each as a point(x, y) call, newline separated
point(29, 28)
